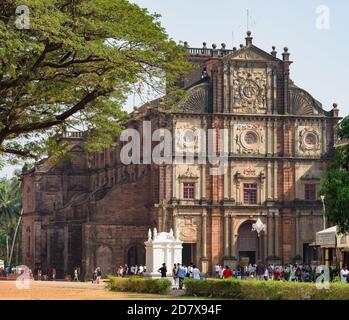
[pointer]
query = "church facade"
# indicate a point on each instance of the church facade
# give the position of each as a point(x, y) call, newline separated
point(93, 210)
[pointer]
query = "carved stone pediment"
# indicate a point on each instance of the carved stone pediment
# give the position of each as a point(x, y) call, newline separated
point(188, 175)
point(310, 177)
point(252, 53)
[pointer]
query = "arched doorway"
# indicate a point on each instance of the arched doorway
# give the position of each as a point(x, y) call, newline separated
point(136, 255)
point(104, 259)
point(248, 243)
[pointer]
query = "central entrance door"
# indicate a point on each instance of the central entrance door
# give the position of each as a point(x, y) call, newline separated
point(248, 243)
point(189, 253)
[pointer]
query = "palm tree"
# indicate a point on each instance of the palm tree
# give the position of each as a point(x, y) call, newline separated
point(10, 209)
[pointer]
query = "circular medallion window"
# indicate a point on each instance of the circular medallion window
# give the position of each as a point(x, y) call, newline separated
point(310, 139)
point(251, 138)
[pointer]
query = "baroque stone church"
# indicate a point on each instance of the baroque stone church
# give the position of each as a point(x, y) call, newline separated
point(92, 210)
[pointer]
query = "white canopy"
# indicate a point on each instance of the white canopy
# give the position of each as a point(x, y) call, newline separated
point(329, 230)
point(326, 237)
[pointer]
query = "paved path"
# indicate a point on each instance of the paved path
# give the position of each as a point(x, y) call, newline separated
point(59, 290)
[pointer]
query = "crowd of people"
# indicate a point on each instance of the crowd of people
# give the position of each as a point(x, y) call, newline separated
point(181, 271)
point(125, 270)
point(288, 272)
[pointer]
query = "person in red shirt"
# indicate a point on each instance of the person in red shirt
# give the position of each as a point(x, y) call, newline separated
point(277, 274)
point(227, 273)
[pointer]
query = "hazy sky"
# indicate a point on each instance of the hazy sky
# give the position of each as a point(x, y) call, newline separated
point(320, 56)
point(316, 33)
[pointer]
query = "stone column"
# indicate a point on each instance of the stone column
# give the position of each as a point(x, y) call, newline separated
point(233, 244)
point(265, 247)
point(48, 248)
point(226, 235)
point(203, 181)
point(174, 220)
point(275, 180)
point(174, 182)
point(277, 226)
point(66, 249)
point(275, 137)
point(297, 235)
point(270, 234)
point(324, 138)
point(204, 234)
point(269, 145)
point(226, 183)
point(269, 181)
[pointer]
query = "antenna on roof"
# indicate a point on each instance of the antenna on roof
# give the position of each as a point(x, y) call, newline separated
point(248, 20)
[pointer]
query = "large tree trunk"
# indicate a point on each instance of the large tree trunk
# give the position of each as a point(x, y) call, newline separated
point(15, 236)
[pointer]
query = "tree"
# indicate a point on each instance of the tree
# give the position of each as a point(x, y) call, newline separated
point(335, 186)
point(10, 208)
point(74, 68)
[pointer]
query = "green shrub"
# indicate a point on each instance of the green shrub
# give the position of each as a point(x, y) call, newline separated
point(139, 284)
point(264, 290)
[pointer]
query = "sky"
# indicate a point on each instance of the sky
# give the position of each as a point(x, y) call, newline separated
point(316, 33)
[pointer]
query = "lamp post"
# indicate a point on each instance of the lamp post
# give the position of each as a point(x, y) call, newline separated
point(324, 210)
point(259, 226)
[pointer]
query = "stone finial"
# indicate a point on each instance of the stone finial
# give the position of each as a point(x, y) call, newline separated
point(234, 49)
point(171, 232)
point(214, 46)
point(274, 52)
point(335, 110)
point(286, 55)
point(177, 233)
point(155, 233)
point(149, 235)
point(186, 45)
point(223, 46)
point(241, 46)
point(204, 45)
point(249, 38)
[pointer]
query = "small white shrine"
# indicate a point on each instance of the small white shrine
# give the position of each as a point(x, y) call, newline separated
point(162, 248)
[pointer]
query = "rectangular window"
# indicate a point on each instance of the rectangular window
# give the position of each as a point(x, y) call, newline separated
point(250, 193)
point(188, 191)
point(310, 192)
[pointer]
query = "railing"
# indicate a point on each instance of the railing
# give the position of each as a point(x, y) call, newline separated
point(208, 52)
point(72, 134)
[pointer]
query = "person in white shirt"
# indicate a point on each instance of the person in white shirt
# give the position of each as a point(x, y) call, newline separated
point(196, 273)
point(266, 274)
point(344, 274)
point(140, 270)
point(217, 269)
point(132, 270)
point(221, 270)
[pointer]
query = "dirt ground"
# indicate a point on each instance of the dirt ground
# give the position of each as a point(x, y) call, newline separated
point(56, 290)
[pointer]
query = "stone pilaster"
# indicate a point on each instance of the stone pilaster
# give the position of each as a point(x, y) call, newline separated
point(226, 235)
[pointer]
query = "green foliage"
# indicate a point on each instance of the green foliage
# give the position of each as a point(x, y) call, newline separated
point(139, 284)
point(10, 207)
point(335, 185)
point(264, 290)
point(74, 68)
